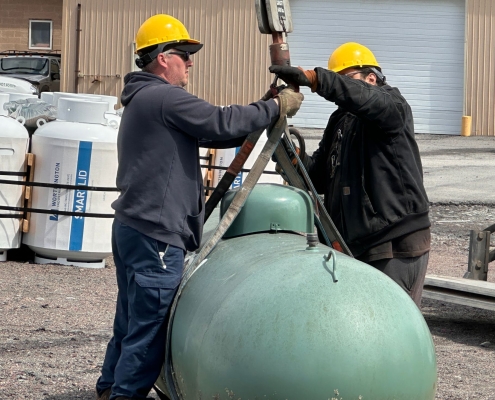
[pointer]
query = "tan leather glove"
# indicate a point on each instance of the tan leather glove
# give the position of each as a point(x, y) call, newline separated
point(289, 102)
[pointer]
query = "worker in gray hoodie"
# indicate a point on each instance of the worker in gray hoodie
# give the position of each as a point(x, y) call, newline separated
point(159, 214)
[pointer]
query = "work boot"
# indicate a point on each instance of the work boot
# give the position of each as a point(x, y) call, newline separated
point(105, 395)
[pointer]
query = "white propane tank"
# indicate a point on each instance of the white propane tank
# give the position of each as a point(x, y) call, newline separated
point(110, 115)
point(47, 97)
point(60, 95)
point(223, 158)
point(14, 142)
point(76, 149)
point(110, 100)
point(4, 98)
point(21, 96)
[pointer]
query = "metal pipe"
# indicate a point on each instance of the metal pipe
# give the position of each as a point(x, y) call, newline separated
point(279, 50)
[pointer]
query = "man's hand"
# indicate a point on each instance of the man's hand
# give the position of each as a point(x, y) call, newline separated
point(291, 155)
point(289, 102)
point(269, 94)
point(289, 152)
point(296, 76)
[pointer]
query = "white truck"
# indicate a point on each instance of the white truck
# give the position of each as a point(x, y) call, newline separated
point(29, 72)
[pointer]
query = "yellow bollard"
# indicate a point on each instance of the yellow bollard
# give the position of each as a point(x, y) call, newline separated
point(466, 126)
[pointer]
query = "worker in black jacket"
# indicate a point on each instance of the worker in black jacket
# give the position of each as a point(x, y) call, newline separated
point(160, 211)
point(368, 166)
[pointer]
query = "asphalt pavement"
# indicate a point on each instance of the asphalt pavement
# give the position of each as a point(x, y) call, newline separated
point(456, 169)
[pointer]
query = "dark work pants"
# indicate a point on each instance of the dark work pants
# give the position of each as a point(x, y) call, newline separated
point(408, 273)
point(148, 274)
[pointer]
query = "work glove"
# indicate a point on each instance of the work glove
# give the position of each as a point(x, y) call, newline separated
point(270, 93)
point(292, 158)
point(296, 76)
point(289, 102)
point(290, 153)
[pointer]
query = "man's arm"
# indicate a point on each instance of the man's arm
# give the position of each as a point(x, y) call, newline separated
point(203, 120)
point(373, 103)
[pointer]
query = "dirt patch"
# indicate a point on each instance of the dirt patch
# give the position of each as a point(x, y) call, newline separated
point(57, 321)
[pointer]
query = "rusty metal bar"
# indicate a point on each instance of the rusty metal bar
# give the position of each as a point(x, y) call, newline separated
point(479, 255)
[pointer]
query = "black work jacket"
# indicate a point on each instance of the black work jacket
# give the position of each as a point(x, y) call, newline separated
point(368, 164)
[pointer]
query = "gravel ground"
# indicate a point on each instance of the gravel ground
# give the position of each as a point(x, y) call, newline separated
point(57, 321)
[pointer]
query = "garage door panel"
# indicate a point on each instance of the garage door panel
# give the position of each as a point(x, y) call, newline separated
point(418, 43)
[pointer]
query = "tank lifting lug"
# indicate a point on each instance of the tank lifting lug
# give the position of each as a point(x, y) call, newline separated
point(332, 256)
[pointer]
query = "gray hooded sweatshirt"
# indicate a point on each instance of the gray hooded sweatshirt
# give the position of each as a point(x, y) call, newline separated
point(159, 175)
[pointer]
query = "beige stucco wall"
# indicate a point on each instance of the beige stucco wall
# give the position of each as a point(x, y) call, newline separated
point(14, 21)
point(230, 69)
point(480, 66)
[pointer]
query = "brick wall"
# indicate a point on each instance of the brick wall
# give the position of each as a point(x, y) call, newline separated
point(14, 21)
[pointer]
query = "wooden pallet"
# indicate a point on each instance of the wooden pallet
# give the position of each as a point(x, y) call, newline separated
point(208, 180)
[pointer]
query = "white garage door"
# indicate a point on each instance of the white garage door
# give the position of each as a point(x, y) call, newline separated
point(418, 43)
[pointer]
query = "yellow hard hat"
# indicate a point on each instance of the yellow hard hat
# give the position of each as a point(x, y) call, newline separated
point(163, 28)
point(349, 55)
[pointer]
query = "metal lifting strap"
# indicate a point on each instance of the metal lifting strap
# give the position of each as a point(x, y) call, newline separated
point(328, 226)
point(235, 206)
point(294, 179)
point(231, 173)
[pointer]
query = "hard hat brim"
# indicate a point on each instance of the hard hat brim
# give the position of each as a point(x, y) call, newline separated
point(191, 48)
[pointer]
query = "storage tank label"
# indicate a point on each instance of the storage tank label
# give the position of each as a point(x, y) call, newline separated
point(80, 196)
point(238, 179)
point(55, 198)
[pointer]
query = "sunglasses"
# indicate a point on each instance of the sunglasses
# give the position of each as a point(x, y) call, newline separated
point(350, 74)
point(185, 55)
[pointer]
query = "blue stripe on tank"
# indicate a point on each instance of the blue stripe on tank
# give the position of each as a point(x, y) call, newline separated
point(80, 196)
point(238, 179)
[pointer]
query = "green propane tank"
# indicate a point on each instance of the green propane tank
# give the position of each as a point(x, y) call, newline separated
point(269, 317)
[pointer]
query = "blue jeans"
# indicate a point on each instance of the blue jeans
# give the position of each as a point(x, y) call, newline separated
point(148, 275)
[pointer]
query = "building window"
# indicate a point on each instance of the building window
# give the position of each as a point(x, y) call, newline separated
point(40, 34)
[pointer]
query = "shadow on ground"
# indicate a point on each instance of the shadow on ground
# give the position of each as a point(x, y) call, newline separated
point(466, 325)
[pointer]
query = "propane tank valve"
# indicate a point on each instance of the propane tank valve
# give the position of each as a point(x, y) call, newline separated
point(312, 240)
